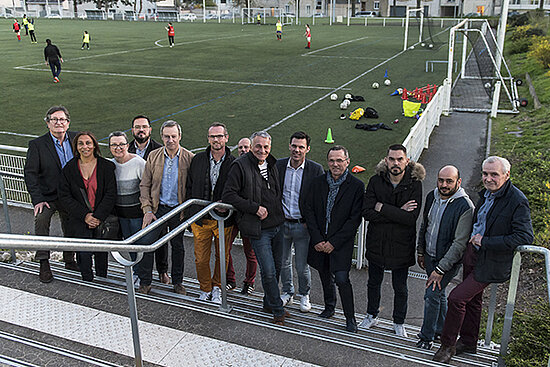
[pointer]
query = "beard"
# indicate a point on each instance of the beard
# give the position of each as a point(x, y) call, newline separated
point(141, 139)
point(396, 171)
point(450, 191)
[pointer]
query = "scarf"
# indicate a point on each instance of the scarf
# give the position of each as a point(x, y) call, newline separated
point(333, 188)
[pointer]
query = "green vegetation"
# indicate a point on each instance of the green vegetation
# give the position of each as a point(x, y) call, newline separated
point(239, 75)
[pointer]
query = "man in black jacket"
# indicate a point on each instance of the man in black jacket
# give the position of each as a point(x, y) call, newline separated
point(54, 59)
point(253, 188)
point(392, 205)
point(295, 176)
point(502, 222)
point(333, 213)
point(206, 180)
point(142, 145)
point(46, 156)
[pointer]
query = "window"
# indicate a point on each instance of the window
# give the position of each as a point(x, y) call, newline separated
point(319, 5)
point(376, 5)
point(308, 10)
point(287, 8)
point(480, 9)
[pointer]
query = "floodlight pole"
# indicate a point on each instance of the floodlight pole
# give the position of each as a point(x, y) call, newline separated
point(204, 11)
point(349, 10)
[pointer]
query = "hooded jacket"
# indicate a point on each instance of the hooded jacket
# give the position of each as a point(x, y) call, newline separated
point(391, 234)
point(454, 226)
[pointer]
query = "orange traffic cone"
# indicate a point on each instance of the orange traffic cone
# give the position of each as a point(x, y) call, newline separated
point(357, 169)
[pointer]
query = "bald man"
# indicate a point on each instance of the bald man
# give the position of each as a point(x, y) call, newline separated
point(243, 146)
point(442, 240)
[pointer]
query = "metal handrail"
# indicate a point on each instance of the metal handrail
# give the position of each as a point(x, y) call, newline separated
point(13, 241)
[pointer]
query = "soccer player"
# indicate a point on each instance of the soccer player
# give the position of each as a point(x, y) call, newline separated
point(171, 34)
point(17, 29)
point(86, 41)
point(30, 27)
point(279, 26)
point(26, 24)
point(54, 59)
point(308, 36)
point(258, 19)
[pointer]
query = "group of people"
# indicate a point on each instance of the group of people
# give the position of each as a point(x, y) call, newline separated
point(281, 204)
point(28, 24)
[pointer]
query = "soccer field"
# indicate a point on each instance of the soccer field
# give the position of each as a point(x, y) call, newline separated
point(239, 75)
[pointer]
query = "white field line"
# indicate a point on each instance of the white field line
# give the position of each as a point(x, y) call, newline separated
point(158, 44)
point(336, 45)
point(34, 136)
point(259, 84)
point(348, 57)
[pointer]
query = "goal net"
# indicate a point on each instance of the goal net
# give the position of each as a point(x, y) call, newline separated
point(267, 16)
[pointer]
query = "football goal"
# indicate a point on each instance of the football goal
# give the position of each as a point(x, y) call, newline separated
point(267, 16)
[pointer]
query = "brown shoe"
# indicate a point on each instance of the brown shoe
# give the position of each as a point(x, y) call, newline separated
point(445, 353)
point(464, 348)
point(164, 278)
point(72, 266)
point(144, 289)
point(180, 289)
point(45, 274)
point(280, 320)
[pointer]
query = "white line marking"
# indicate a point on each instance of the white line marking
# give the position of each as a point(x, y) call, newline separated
point(158, 44)
point(348, 57)
point(18, 134)
point(336, 45)
point(259, 84)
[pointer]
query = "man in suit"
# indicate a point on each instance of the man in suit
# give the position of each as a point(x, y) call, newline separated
point(295, 176)
point(46, 156)
point(333, 214)
point(142, 145)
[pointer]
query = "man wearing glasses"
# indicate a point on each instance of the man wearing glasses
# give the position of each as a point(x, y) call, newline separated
point(206, 180)
point(46, 156)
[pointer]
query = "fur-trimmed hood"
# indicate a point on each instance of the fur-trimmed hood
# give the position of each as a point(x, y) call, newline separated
point(418, 172)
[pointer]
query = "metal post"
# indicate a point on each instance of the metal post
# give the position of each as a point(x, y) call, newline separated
point(221, 243)
point(133, 313)
point(464, 51)
point(349, 11)
point(421, 26)
point(204, 11)
point(496, 98)
point(510, 303)
point(6, 214)
point(406, 29)
point(491, 317)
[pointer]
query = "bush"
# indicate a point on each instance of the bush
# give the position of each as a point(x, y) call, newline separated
point(525, 31)
point(519, 46)
point(540, 51)
point(529, 344)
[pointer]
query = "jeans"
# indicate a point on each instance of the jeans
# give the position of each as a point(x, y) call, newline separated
point(297, 234)
point(55, 66)
point(178, 251)
point(269, 260)
point(435, 302)
point(128, 227)
point(42, 223)
point(401, 293)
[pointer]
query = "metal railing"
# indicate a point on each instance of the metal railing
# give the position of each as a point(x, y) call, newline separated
point(121, 249)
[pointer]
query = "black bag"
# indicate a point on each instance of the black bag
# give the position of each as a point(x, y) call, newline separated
point(370, 113)
point(109, 229)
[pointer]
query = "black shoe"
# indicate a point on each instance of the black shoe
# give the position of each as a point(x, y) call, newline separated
point(445, 353)
point(351, 325)
point(267, 309)
point(230, 286)
point(72, 266)
point(327, 313)
point(422, 344)
point(247, 289)
point(463, 348)
point(45, 274)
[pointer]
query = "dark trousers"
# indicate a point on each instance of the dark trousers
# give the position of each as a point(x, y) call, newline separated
point(178, 252)
point(33, 36)
point(251, 262)
point(171, 40)
point(330, 280)
point(464, 306)
point(42, 223)
point(55, 66)
point(84, 260)
point(401, 293)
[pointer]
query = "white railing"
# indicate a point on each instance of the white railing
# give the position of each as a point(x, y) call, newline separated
point(16, 190)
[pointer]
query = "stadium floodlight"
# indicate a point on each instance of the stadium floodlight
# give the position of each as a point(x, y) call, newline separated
point(417, 11)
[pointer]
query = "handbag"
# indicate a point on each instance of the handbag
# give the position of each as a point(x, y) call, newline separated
point(108, 229)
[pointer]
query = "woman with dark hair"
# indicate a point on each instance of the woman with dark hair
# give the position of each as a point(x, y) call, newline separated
point(87, 190)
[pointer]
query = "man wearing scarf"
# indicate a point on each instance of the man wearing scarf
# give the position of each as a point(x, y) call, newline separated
point(333, 214)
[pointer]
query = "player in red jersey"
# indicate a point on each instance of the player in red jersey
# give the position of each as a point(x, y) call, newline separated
point(308, 36)
point(171, 34)
point(17, 29)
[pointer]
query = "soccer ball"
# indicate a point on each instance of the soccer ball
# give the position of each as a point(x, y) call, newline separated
point(423, 44)
point(387, 82)
point(411, 48)
point(375, 85)
point(488, 85)
point(347, 101)
point(347, 96)
point(431, 45)
point(344, 105)
point(333, 97)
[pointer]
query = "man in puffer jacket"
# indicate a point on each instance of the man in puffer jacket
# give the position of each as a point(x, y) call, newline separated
point(392, 205)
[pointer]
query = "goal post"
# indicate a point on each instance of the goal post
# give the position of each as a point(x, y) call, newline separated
point(416, 11)
point(249, 15)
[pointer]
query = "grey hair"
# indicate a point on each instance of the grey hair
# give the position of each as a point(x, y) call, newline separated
point(118, 133)
point(54, 109)
point(169, 123)
point(503, 161)
point(261, 134)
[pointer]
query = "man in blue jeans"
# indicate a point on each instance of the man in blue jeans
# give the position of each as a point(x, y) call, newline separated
point(442, 240)
point(253, 188)
point(295, 176)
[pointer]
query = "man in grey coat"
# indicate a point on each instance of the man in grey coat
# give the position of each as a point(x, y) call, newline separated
point(445, 230)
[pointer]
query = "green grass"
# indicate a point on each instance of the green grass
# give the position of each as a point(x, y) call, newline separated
point(230, 52)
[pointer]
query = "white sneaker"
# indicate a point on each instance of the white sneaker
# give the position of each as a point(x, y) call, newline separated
point(136, 281)
point(400, 330)
point(287, 299)
point(217, 295)
point(368, 322)
point(204, 296)
point(305, 306)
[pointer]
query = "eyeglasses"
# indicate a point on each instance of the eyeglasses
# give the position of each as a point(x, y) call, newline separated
point(142, 127)
point(56, 120)
point(217, 136)
point(120, 146)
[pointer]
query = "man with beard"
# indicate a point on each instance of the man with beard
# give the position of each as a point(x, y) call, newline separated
point(392, 205)
point(206, 180)
point(442, 239)
point(142, 145)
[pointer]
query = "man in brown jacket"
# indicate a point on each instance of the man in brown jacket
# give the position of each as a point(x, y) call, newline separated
point(162, 189)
